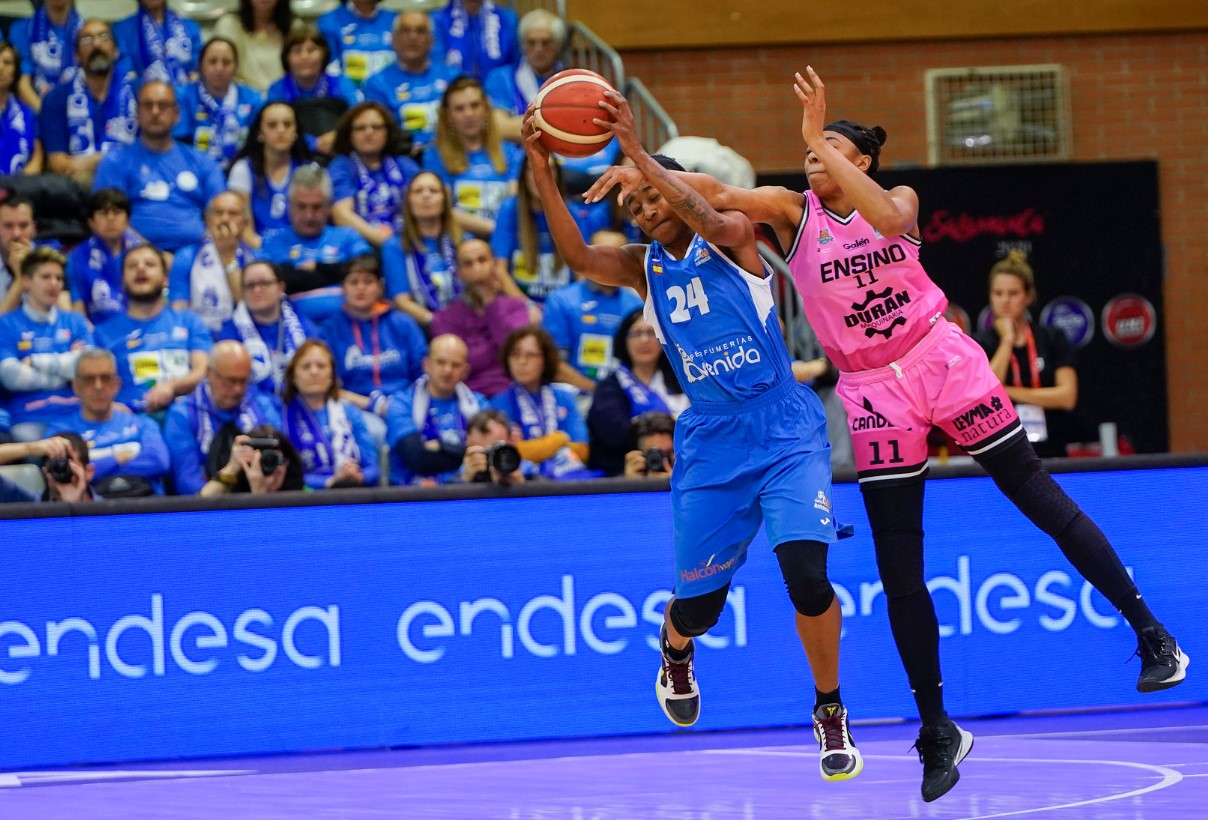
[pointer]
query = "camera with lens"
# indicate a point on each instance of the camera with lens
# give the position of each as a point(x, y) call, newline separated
point(656, 460)
point(503, 458)
point(59, 469)
point(271, 456)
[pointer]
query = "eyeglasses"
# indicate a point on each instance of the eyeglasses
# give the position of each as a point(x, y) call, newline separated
point(260, 285)
point(369, 126)
point(99, 378)
point(99, 37)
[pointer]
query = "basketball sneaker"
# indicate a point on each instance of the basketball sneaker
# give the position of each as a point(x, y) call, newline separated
point(838, 757)
point(676, 687)
point(1163, 664)
point(941, 747)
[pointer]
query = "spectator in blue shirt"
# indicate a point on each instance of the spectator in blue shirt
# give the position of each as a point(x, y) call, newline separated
point(512, 87)
point(38, 348)
point(267, 324)
point(215, 111)
point(169, 184)
point(46, 43)
point(476, 36)
point(20, 147)
point(161, 353)
point(526, 260)
point(318, 97)
point(160, 44)
point(469, 156)
point(205, 277)
point(94, 267)
point(427, 421)
point(421, 266)
point(328, 432)
point(125, 448)
point(412, 86)
point(359, 35)
point(582, 318)
point(310, 253)
point(265, 165)
point(93, 110)
point(378, 350)
point(369, 173)
point(218, 409)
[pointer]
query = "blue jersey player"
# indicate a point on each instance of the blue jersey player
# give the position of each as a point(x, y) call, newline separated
point(751, 449)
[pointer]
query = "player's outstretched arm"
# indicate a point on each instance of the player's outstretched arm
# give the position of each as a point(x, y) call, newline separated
point(604, 264)
point(727, 229)
point(892, 213)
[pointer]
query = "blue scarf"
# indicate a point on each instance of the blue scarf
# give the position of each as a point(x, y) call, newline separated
point(437, 294)
point(322, 450)
point(468, 37)
point(380, 202)
point(106, 297)
point(270, 364)
point(201, 402)
point(119, 116)
point(325, 87)
point(421, 405)
point(15, 144)
point(641, 398)
point(226, 134)
point(51, 57)
point(542, 421)
point(167, 51)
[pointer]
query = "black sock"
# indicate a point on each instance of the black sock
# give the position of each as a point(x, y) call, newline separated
point(930, 700)
point(821, 698)
point(677, 655)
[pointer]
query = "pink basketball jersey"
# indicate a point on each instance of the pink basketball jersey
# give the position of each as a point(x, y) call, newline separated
point(866, 296)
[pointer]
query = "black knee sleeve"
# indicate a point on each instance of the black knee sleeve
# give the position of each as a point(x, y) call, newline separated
point(1018, 472)
point(896, 516)
point(803, 566)
point(696, 616)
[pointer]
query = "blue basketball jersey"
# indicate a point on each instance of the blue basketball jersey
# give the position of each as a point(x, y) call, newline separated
point(716, 322)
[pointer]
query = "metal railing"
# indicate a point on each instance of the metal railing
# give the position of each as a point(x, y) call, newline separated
point(585, 49)
point(655, 125)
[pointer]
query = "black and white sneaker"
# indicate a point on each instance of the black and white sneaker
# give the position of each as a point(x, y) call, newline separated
point(941, 747)
point(676, 689)
point(1163, 664)
point(838, 757)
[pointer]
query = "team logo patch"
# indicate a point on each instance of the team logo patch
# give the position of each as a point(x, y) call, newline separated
point(824, 237)
point(702, 255)
point(821, 502)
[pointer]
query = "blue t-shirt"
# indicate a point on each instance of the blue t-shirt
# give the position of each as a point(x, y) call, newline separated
point(134, 437)
point(334, 245)
point(551, 272)
point(286, 90)
point(217, 128)
point(379, 194)
point(428, 276)
point(443, 421)
point(570, 420)
point(181, 49)
point(475, 45)
point(94, 275)
point(149, 351)
point(270, 202)
point(21, 336)
point(414, 98)
point(18, 135)
point(216, 303)
point(269, 361)
point(583, 322)
point(168, 190)
point(717, 324)
point(384, 354)
point(480, 189)
point(360, 46)
point(504, 92)
point(73, 122)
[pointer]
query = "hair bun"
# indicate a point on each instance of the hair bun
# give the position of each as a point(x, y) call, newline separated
point(1018, 255)
point(879, 134)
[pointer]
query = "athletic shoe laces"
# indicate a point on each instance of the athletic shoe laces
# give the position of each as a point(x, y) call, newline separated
point(680, 675)
point(1156, 647)
point(935, 748)
point(833, 737)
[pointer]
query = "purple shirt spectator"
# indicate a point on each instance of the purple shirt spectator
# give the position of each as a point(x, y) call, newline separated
point(483, 331)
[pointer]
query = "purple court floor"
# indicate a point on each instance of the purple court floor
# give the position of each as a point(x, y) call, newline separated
point(1135, 765)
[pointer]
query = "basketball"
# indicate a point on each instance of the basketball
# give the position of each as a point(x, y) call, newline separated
point(566, 105)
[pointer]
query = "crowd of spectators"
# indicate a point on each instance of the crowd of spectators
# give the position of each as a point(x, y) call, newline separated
point(313, 257)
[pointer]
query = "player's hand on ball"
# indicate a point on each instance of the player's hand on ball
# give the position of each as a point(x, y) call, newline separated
point(531, 136)
point(622, 126)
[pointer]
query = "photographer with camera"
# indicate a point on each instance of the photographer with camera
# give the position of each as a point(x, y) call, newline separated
point(67, 470)
point(491, 453)
point(654, 435)
point(261, 461)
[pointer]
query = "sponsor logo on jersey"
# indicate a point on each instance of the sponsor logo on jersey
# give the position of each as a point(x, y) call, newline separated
point(821, 502)
point(720, 358)
point(877, 306)
point(835, 269)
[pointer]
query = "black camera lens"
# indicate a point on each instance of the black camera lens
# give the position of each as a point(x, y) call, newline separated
point(270, 460)
point(503, 458)
point(656, 462)
point(60, 470)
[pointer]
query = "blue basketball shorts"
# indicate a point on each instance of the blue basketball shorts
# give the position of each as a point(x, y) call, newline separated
point(742, 464)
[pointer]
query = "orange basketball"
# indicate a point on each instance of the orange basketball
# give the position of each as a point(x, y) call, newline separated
point(566, 105)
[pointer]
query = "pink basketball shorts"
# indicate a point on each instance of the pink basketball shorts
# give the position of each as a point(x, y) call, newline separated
point(945, 380)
